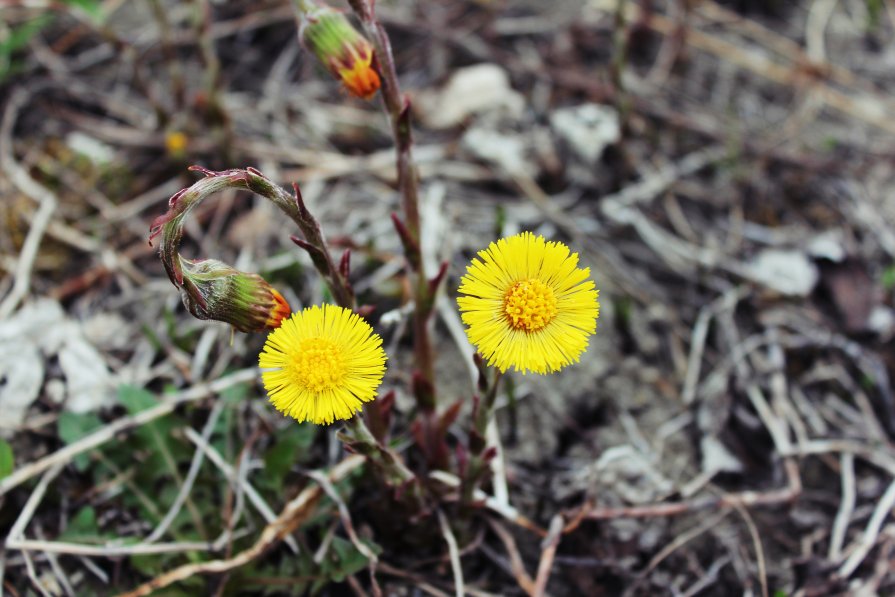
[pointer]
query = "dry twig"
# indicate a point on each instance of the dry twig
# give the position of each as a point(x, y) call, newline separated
point(453, 553)
point(294, 514)
point(107, 433)
point(548, 553)
point(254, 497)
point(523, 579)
point(870, 535)
point(21, 179)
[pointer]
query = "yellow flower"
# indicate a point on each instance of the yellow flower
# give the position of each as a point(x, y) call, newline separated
point(529, 305)
point(322, 364)
point(176, 143)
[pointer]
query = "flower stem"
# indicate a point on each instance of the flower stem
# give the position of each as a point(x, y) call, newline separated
point(389, 466)
point(478, 456)
point(397, 107)
point(314, 242)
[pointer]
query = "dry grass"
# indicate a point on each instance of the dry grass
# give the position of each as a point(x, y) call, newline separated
point(729, 430)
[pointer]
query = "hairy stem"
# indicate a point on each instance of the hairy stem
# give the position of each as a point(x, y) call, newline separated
point(478, 456)
point(397, 107)
point(389, 465)
point(314, 242)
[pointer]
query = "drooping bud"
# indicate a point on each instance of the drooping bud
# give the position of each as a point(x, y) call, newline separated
point(213, 290)
point(340, 47)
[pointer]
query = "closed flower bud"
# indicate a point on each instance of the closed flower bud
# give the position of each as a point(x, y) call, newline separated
point(213, 290)
point(341, 48)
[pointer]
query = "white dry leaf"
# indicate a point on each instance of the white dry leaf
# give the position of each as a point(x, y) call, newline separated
point(22, 338)
point(103, 330)
point(716, 458)
point(37, 321)
point(54, 389)
point(827, 245)
point(587, 129)
point(45, 323)
point(89, 384)
point(499, 149)
point(788, 272)
point(882, 322)
point(21, 376)
point(93, 149)
point(630, 475)
point(472, 90)
point(39, 330)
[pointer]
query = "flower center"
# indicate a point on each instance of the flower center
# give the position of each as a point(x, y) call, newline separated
point(319, 364)
point(529, 305)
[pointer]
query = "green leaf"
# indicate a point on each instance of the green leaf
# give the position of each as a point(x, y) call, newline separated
point(19, 37)
point(7, 460)
point(153, 564)
point(290, 446)
point(92, 8)
point(73, 426)
point(874, 9)
point(888, 277)
point(136, 399)
point(162, 451)
point(83, 527)
point(298, 569)
point(348, 559)
point(623, 312)
point(234, 395)
point(16, 39)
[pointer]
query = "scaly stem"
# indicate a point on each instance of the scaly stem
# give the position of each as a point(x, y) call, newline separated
point(398, 110)
point(170, 225)
point(478, 457)
point(390, 467)
point(617, 66)
point(314, 242)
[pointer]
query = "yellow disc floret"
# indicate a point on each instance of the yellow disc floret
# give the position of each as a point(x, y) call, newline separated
point(319, 364)
point(530, 305)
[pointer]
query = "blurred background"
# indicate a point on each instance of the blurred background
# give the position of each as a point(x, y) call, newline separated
point(725, 168)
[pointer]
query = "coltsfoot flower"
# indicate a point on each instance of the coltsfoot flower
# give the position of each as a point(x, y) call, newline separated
point(341, 48)
point(322, 364)
point(528, 305)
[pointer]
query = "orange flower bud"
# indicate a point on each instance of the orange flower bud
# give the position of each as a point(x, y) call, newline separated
point(341, 48)
point(214, 290)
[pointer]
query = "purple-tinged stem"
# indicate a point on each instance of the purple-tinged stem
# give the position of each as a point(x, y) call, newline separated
point(397, 108)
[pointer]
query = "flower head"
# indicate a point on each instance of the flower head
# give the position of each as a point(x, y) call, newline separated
point(176, 143)
point(338, 45)
point(212, 289)
point(528, 305)
point(322, 364)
